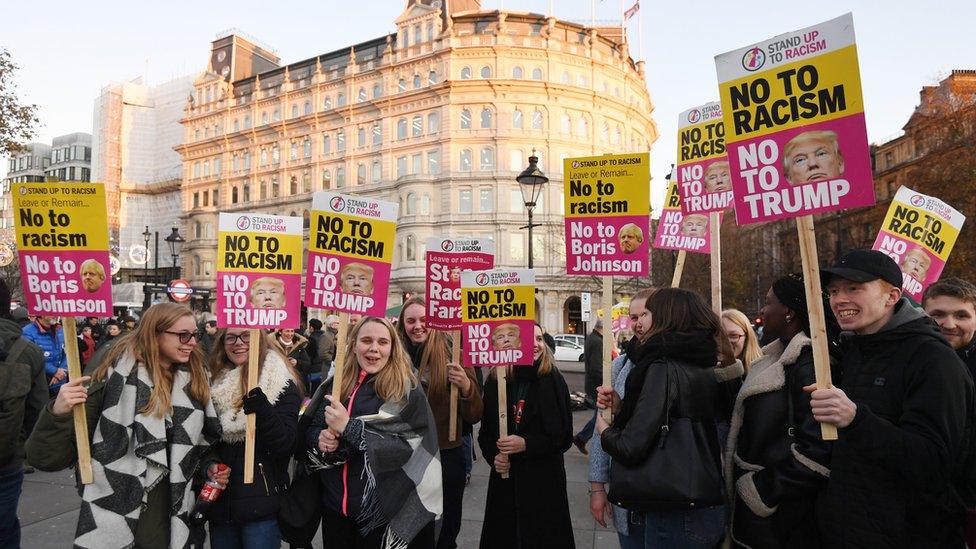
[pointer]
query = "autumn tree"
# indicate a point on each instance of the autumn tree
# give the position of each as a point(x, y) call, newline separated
point(18, 121)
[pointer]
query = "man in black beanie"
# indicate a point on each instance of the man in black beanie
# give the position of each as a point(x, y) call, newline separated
point(21, 365)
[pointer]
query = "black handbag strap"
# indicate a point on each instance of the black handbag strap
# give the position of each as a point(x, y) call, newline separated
point(666, 426)
point(790, 418)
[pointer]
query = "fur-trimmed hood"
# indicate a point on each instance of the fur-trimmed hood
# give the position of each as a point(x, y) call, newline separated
point(226, 394)
point(298, 341)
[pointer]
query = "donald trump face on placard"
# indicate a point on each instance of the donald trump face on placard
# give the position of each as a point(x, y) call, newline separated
point(694, 225)
point(356, 278)
point(268, 293)
point(717, 177)
point(506, 336)
point(812, 156)
point(916, 264)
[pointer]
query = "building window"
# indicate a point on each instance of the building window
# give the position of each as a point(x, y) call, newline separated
point(341, 100)
point(326, 144)
point(361, 174)
point(294, 151)
point(402, 128)
point(401, 166)
point(216, 166)
point(486, 72)
point(517, 119)
point(416, 164)
point(537, 74)
point(264, 118)
point(294, 111)
point(487, 159)
point(377, 172)
point(246, 192)
point(411, 204)
point(340, 177)
point(361, 137)
point(275, 154)
point(465, 73)
point(276, 116)
point(402, 85)
point(417, 126)
point(516, 160)
point(307, 148)
point(582, 81)
point(466, 160)
point(196, 169)
point(566, 79)
point(237, 125)
point(465, 119)
point(416, 34)
point(433, 162)
point(485, 200)
point(307, 109)
point(567, 124)
point(411, 247)
point(431, 78)
point(517, 73)
point(341, 140)
point(486, 118)
point(233, 195)
point(362, 95)
point(515, 204)
point(433, 122)
point(430, 31)
point(416, 81)
point(247, 122)
point(327, 104)
point(326, 179)
point(377, 134)
point(293, 186)
point(377, 91)
point(196, 202)
point(583, 127)
point(537, 120)
point(306, 181)
point(605, 133)
point(264, 190)
point(247, 161)
point(425, 205)
point(464, 201)
point(275, 188)
point(516, 247)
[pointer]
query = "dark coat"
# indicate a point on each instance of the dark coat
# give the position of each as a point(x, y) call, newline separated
point(298, 350)
point(775, 472)
point(274, 441)
point(34, 384)
point(51, 343)
point(593, 364)
point(532, 501)
point(891, 467)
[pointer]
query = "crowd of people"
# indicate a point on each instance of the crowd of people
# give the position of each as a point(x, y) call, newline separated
point(703, 438)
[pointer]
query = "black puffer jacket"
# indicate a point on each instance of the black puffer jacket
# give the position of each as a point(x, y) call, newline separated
point(776, 461)
point(891, 467)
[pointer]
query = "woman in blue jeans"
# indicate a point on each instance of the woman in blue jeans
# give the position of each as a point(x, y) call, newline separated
point(666, 467)
point(246, 515)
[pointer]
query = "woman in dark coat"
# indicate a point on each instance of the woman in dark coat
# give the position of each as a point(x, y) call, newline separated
point(250, 511)
point(776, 461)
point(530, 508)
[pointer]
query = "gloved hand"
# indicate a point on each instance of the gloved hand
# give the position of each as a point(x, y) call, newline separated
point(255, 400)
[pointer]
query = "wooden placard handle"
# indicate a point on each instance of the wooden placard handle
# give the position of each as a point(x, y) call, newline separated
point(69, 328)
point(679, 267)
point(818, 326)
point(715, 233)
point(607, 338)
point(340, 356)
point(456, 359)
point(500, 374)
point(253, 369)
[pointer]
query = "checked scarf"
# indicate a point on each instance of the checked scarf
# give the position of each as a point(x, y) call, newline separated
point(133, 452)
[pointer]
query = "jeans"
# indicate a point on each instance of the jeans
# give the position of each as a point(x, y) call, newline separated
point(452, 472)
point(255, 535)
point(11, 482)
point(699, 528)
point(586, 433)
point(468, 445)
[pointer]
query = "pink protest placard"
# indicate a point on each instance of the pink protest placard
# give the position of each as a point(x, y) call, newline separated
point(259, 271)
point(62, 240)
point(703, 175)
point(350, 249)
point(678, 231)
point(497, 312)
point(794, 121)
point(447, 258)
point(919, 232)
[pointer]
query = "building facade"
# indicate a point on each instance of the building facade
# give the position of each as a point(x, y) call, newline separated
point(67, 158)
point(439, 117)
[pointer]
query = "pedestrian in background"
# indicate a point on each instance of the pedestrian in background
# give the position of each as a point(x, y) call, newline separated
point(530, 508)
point(23, 394)
point(246, 515)
point(86, 345)
point(208, 335)
point(46, 334)
point(324, 342)
point(593, 367)
point(147, 444)
point(112, 331)
point(430, 353)
point(295, 348)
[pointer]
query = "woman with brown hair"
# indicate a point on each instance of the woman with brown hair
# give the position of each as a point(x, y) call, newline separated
point(666, 462)
point(375, 449)
point(429, 352)
point(530, 508)
point(249, 511)
point(151, 421)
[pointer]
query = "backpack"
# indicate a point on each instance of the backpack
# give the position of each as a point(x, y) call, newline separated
point(15, 384)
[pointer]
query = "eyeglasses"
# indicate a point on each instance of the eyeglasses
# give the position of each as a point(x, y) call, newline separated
point(185, 337)
point(735, 337)
point(232, 339)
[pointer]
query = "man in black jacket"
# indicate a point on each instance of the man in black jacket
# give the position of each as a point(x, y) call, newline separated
point(593, 367)
point(901, 403)
point(952, 303)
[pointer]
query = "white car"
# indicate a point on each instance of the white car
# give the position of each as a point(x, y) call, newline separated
point(568, 351)
point(575, 338)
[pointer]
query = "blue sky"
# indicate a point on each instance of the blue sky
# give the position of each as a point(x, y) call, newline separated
point(67, 51)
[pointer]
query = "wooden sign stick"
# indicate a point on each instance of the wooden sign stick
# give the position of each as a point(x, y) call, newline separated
point(500, 372)
point(340, 356)
point(679, 267)
point(456, 359)
point(70, 330)
point(715, 224)
point(818, 325)
point(253, 368)
point(607, 338)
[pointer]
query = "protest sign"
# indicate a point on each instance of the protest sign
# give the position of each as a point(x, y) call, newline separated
point(680, 231)
point(918, 232)
point(62, 237)
point(607, 215)
point(350, 249)
point(259, 270)
point(497, 312)
point(704, 179)
point(447, 258)
point(794, 122)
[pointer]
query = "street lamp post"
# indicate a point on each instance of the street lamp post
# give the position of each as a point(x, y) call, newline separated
point(146, 235)
point(175, 241)
point(530, 182)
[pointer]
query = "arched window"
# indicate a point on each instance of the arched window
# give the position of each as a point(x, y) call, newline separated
point(537, 120)
point(246, 192)
point(362, 95)
point(264, 156)
point(293, 186)
point(582, 81)
point(416, 81)
point(307, 109)
point(517, 73)
point(327, 104)
point(517, 119)
point(377, 91)
point(233, 195)
point(416, 35)
point(237, 125)
point(431, 78)
point(294, 151)
point(411, 247)
point(264, 118)
point(618, 136)
point(402, 128)
point(326, 144)
point(537, 74)
point(275, 188)
point(306, 181)
point(487, 159)
point(377, 134)
point(567, 124)
point(465, 164)
point(402, 85)
point(341, 140)
point(565, 79)
point(264, 189)
point(340, 177)
point(465, 119)
point(430, 31)
point(294, 111)
point(197, 230)
point(307, 148)
point(411, 204)
point(583, 127)
point(486, 117)
point(276, 116)
point(486, 72)
point(275, 154)
point(465, 73)
point(417, 126)
point(377, 172)
point(361, 137)
point(306, 219)
point(433, 122)
point(361, 174)
point(516, 160)
point(247, 122)
point(425, 205)
point(341, 100)
point(605, 133)
point(326, 179)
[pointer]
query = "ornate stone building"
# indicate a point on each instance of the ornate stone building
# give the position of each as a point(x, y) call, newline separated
point(439, 116)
